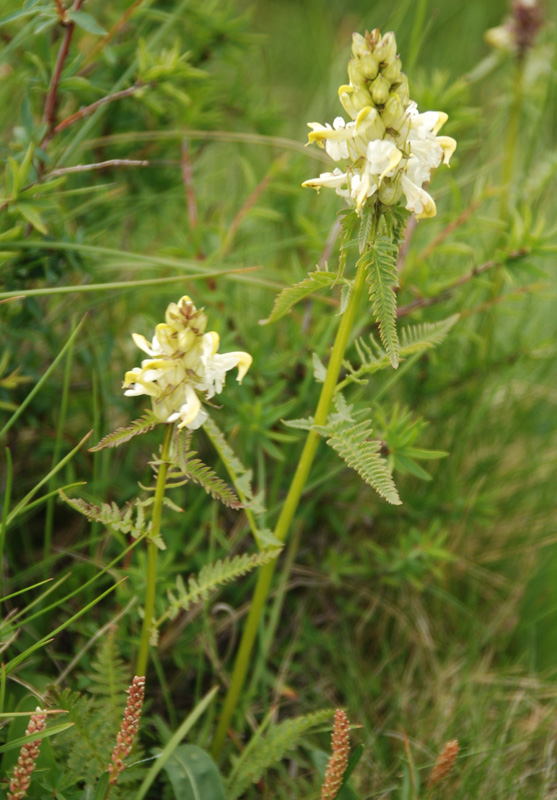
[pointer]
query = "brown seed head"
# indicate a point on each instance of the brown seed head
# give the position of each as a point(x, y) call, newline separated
point(338, 761)
point(444, 764)
point(129, 727)
point(28, 755)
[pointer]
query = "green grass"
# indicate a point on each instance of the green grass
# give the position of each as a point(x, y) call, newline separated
point(434, 620)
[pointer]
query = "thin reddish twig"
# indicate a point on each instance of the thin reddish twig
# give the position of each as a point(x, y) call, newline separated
point(116, 28)
point(187, 178)
point(52, 95)
point(250, 202)
point(448, 229)
point(87, 110)
point(113, 162)
point(60, 8)
point(444, 294)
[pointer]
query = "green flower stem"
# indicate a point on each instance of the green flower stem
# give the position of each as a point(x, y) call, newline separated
point(513, 128)
point(243, 657)
point(149, 605)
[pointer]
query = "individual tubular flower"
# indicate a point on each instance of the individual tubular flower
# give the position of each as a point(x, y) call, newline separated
point(128, 729)
point(336, 766)
point(184, 366)
point(390, 148)
point(28, 755)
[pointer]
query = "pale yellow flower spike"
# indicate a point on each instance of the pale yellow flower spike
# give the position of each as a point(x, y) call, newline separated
point(184, 366)
point(389, 149)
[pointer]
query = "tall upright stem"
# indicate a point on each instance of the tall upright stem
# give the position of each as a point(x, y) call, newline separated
point(288, 510)
point(151, 579)
point(513, 127)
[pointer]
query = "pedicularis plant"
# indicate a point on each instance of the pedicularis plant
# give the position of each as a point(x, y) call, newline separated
point(383, 153)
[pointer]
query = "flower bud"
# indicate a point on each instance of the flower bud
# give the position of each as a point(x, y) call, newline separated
point(401, 89)
point(379, 90)
point(369, 66)
point(390, 191)
point(361, 98)
point(393, 114)
point(345, 96)
point(356, 74)
point(359, 46)
point(385, 50)
point(369, 124)
point(392, 71)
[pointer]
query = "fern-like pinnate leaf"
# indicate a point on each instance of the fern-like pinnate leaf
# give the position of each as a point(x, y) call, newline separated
point(125, 520)
point(264, 751)
point(241, 477)
point(186, 467)
point(383, 280)
point(212, 576)
point(293, 294)
point(121, 435)
point(413, 339)
point(109, 676)
point(362, 453)
point(86, 747)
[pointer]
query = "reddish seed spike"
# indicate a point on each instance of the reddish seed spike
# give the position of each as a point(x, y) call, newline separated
point(21, 778)
point(129, 727)
point(338, 761)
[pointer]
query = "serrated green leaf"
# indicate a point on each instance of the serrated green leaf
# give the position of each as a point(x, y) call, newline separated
point(186, 466)
point(212, 576)
point(266, 539)
point(85, 21)
point(413, 339)
point(139, 426)
point(264, 751)
point(354, 446)
point(293, 294)
point(319, 369)
point(382, 278)
point(300, 424)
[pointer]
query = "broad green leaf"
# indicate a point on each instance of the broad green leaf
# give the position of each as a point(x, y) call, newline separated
point(33, 216)
point(101, 789)
point(87, 22)
point(194, 775)
point(173, 743)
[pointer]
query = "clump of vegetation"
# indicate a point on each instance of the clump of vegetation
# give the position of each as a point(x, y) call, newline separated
point(365, 523)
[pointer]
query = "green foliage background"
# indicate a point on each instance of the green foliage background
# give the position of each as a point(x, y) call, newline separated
point(432, 620)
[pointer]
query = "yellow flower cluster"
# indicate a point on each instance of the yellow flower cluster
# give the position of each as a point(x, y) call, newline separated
point(184, 366)
point(389, 147)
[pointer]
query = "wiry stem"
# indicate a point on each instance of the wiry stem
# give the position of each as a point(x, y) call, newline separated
point(513, 128)
point(86, 111)
point(289, 509)
point(50, 103)
point(151, 578)
point(446, 293)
